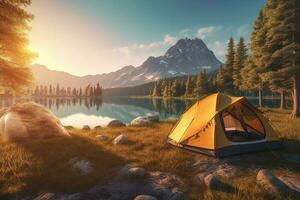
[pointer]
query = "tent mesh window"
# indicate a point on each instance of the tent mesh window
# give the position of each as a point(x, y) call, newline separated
point(241, 124)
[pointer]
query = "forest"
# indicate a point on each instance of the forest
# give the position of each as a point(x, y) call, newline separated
point(270, 62)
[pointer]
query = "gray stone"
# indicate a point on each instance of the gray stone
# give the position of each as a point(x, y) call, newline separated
point(115, 123)
point(97, 127)
point(212, 182)
point(153, 118)
point(145, 197)
point(86, 128)
point(121, 139)
point(132, 171)
point(84, 167)
point(144, 120)
point(271, 183)
point(102, 138)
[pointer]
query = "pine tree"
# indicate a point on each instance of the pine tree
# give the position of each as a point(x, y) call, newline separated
point(201, 86)
point(57, 90)
point(228, 67)
point(189, 87)
point(220, 79)
point(175, 89)
point(282, 52)
point(166, 90)
point(156, 92)
point(239, 63)
point(14, 53)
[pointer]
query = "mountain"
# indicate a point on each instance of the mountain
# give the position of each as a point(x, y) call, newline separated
point(187, 56)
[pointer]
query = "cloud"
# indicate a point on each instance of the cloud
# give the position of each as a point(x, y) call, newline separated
point(171, 40)
point(205, 32)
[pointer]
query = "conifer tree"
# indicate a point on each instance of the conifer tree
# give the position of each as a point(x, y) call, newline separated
point(14, 54)
point(189, 87)
point(283, 42)
point(228, 67)
point(175, 89)
point(220, 79)
point(201, 86)
point(239, 62)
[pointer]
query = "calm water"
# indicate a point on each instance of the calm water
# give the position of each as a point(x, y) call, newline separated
point(79, 112)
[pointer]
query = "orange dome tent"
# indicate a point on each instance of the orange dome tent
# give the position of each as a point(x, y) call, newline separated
point(222, 125)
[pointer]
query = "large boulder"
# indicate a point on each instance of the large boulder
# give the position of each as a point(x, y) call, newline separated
point(29, 120)
point(115, 123)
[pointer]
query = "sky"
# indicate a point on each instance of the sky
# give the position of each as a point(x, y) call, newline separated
point(85, 37)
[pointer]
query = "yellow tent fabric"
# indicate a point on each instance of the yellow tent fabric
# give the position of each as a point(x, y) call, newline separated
point(200, 114)
point(201, 126)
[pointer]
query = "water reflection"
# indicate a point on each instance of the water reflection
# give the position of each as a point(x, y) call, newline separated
point(97, 111)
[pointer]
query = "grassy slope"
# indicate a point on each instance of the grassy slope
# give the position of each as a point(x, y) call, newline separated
point(43, 165)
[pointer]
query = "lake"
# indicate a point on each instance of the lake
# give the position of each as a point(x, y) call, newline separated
point(78, 112)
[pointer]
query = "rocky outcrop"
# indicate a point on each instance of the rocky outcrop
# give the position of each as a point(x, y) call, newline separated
point(29, 120)
point(115, 123)
point(131, 182)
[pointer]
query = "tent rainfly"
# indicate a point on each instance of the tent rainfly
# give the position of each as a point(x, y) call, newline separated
point(220, 125)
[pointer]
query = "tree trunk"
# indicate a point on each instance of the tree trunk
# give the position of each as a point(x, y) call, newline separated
point(296, 96)
point(260, 98)
point(282, 100)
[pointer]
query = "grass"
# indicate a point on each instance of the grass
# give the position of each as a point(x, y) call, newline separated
point(43, 165)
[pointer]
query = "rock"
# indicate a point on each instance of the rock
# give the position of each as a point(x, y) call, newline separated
point(84, 167)
point(153, 118)
point(46, 196)
point(144, 120)
point(166, 180)
point(121, 139)
point(212, 182)
point(271, 183)
point(102, 138)
point(199, 178)
point(115, 123)
point(131, 171)
point(145, 197)
point(86, 128)
point(97, 127)
point(29, 120)
point(227, 171)
point(293, 182)
point(69, 127)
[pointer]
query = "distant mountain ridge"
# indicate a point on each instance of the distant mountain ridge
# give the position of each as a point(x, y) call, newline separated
point(186, 57)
